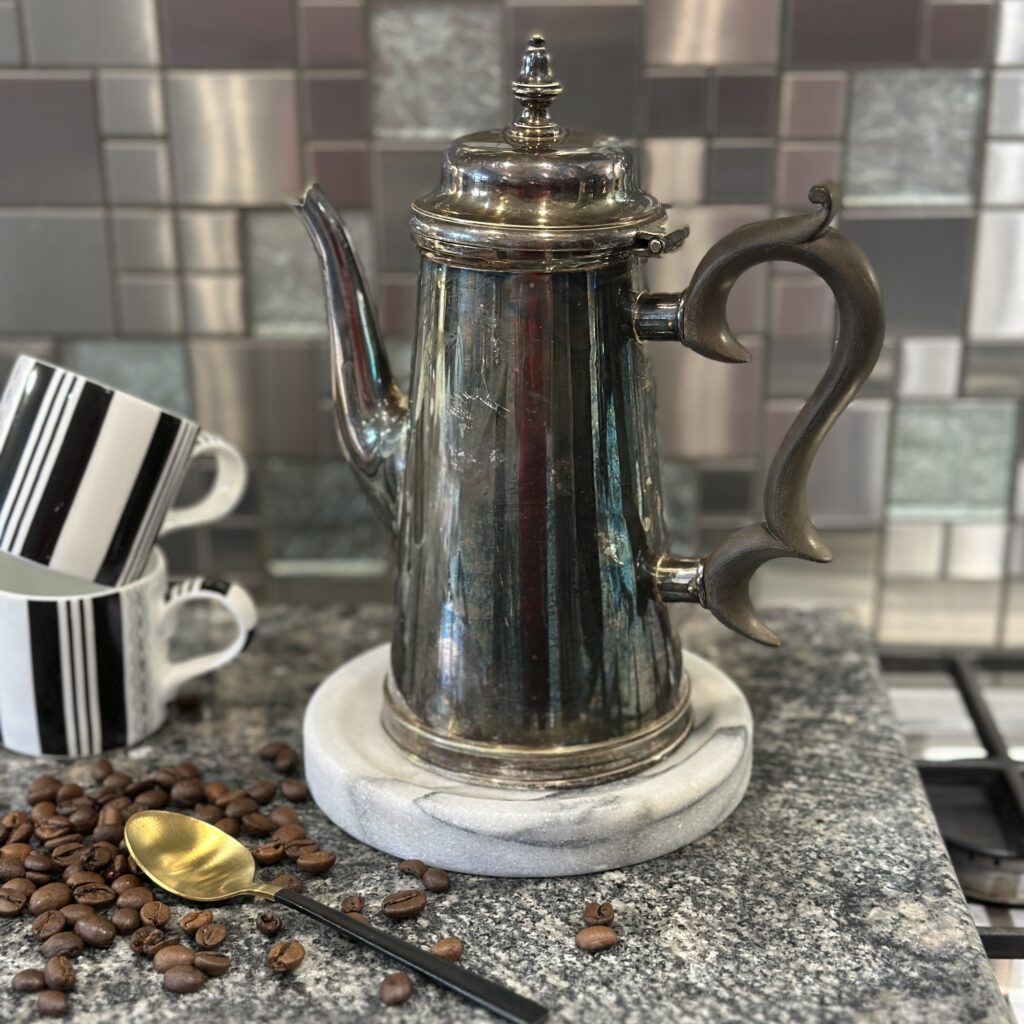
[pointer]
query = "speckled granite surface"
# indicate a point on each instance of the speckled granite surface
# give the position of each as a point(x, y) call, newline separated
point(826, 896)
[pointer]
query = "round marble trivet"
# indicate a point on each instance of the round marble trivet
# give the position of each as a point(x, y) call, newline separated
point(367, 786)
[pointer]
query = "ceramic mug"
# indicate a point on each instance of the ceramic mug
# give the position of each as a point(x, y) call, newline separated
point(88, 474)
point(88, 669)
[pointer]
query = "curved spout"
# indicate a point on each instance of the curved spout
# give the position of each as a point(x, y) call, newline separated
point(370, 409)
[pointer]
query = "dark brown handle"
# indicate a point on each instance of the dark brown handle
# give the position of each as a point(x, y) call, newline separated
point(721, 582)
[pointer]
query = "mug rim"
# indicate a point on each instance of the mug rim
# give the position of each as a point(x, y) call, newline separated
point(155, 565)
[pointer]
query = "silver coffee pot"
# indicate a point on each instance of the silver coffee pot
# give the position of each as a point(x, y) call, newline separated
point(532, 642)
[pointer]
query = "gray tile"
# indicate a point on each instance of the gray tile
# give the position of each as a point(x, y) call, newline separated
point(997, 298)
point(131, 103)
point(918, 613)
point(137, 172)
point(743, 104)
point(795, 365)
point(404, 175)
point(958, 33)
point(802, 306)
point(1003, 180)
point(726, 491)
point(812, 104)
point(396, 305)
point(596, 55)
point(712, 32)
point(209, 239)
point(415, 48)
point(1010, 39)
point(110, 33)
point(47, 255)
point(827, 32)
point(149, 304)
point(1013, 630)
point(228, 33)
point(930, 367)
point(804, 164)
point(153, 370)
point(1017, 550)
point(1006, 104)
point(740, 172)
point(673, 169)
point(914, 550)
point(994, 370)
point(336, 106)
point(343, 171)
point(913, 136)
point(58, 163)
point(10, 41)
point(332, 35)
point(144, 240)
point(922, 265)
point(977, 551)
point(234, 136)
point(952, 460)
point(677, 104)
point(214, 304)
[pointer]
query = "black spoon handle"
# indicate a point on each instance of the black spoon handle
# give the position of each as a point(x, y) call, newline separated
point(489, 994)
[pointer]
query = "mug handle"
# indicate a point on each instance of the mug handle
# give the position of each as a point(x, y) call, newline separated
point(229, 483)
point(239, 604)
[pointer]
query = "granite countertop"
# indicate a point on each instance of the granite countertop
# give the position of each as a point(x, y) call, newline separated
point(826, 896)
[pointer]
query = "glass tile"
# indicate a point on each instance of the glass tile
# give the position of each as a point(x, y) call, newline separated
point(977, 551)
point(958, 613)
point(812, 104)
point(1006, 104)
point(676, 103)
point(415, 49)
point(953, 460)
point(913, 550)
point(674, 169)
point(959, 33)
point(913, 136)
point(995, 370)
point(1003, 182)
point(997, 298)
point(930, 367)
point(1010, 38)
point(713, 32)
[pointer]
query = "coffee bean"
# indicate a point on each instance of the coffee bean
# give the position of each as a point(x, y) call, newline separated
point(24, 886)
point(101, 769)
point(270, 750)
point(97, 895)
point(299, 847)
point(256, 824)
point(268, 924)
point(11, 867)
point(595, 938)
point(52, 1003)
point(184, 978)
point(172, 956)
point(285, 956)
point(316, 863)
point(48, 923)
point(194, 920)
point(187, 770)
point(282, 815)
point(352, 903)
point(152, 799)
point(211, 935)
point(135, 897)
point(598, 913)
point(59, 974)
point(241, 807)
point(359, 917)
point(187, 793)
point(54, 827)
point(65, 852)
point(212, 964)
point(38, 813)
point(412, 867)
point(213, 790)
point(110, 814)
point(117, 780)
point(210, 813)
point(448, 949)
point(404, 903)
point(75, 912)
point(122, 882)
point(155, 913)
point(37, 860)
point(288, 881)
point(62, 944)
point(263, 791)
point(11, 903)
point(96, 931)
point(75, 877)
point(125, 920)
point(436, 880)
point(295, 790)
point(289, 833)
point(29, 980)
point(16, 848)
point(228, 796)
point(229, 825)
point(145, 939)
point(268, 853)
point(395, 989)
point(287, 759)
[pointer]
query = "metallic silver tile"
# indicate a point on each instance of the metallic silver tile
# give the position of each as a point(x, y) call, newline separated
point(977, 551)
point(960, 613)
point(415, 47)
point(149, 304)
point(1003, 181)
point(914, 550)
point(131, 103)
point(55, 163)
point(727, 490)
point(137, 172)
point(795, 365)
point(228, 33)
point(10, 42)
point(144, 240)
point(332, 35)
point(740, 171)
point(830, 32)
point(847, 484)
point(1010, 37)
point(995, 370)
point(743, 104)
point(801, 165)
point(677, 103)
point(713, 32)
point(959, 33)
point(997, 298)
point(403, 175)
point(930, 367)
point(209, 239)
point(110, 33)
point(1013, 630)
point(234, 136)
point(912, 136)
point(674, 169)
point(812, 104)
point(343, 171)
point(214, 304)
point(1017, 550)
point(802, 306)
point(1006, 104)
point(336, 105)
point(1018, 500)
point(57, 254)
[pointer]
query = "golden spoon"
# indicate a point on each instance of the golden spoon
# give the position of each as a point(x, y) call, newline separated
point(199, 862)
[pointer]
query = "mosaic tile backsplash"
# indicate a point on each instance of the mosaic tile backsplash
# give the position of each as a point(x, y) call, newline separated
point(147, 145)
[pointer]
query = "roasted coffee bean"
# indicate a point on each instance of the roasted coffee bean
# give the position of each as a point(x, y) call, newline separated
point(135, 897)
point(29, 980)
point(256, 824)
point(395, 989)
point(595, 938)
point(39, 860)
point(17, 849)
point(49, 897)
point(147, 940)
point(118, 780)
point(96, 895)
point(100, 769)
point(54, 827)
point(122, 882)
point(268, 924)
point(69, 791)
point(240, 807)
point(75, 877)
point(287, 759)
point(316, 863)
point(110, 814)
point(184, 978)
point(298, 847)
point(268, 853)
point(288, 881)
point(40, 812)
point(412, 867)
point(48, 923)
point(295, 790)
point(436, 880)
point(210, 936)
point(598, 913)
point(75, 912)
point(210, 813)
point(12, 819)
point(263, 791)
point(404, 903)
point(66, 852)
point(28, 885)
point(11, 867)
point(155, 912)
point(125, 920)
point(172, 956)
point(186, 770)
point(353, 903)
point(96, 931)
point(12, 903)
point(359, 917)
point(59, 974)
point(62, 944)
point(270, 750)
point(213, 790)
point(188, 793)
point(194, 920)
point(285, 956)
point(448, 949)
point(52, 1003)
point(212, 964)
point(82, 819)
point(228, 796)
point(229, 825)
point(289, 833)
point(282, 815)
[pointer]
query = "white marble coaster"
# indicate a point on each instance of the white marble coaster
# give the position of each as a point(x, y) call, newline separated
point(367, 786)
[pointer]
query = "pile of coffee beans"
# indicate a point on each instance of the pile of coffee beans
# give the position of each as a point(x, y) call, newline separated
point(597, 933)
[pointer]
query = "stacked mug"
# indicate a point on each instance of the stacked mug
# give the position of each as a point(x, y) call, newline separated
point(87, 615)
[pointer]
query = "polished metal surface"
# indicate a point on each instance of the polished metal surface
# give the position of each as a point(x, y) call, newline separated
point(713, 32)
point(208, 240)
point(75, 32)
point(214, 303)
point(149, 303)
point(131, 103)
point(138, 172)
point(144, 240)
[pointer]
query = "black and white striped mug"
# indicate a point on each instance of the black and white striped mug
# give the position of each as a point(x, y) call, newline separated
point(88, 474)
point(88, 669)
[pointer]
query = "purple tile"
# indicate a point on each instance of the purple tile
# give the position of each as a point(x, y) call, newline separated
point(959, 33)
point(344, 173)
point(743, 105)
point(404, 175)
point(828, 32)
point(227, 33)
point(397, 303)
point(677, 105)
point(801, 165)
point(336, 107)
point(331, 36)
point(739, 173)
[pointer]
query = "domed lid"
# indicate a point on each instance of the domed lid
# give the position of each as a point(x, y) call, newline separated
point(535, 185)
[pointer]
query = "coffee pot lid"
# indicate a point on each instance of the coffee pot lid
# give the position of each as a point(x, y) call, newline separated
point(534, 185)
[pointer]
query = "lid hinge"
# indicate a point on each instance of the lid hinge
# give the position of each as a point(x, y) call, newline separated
point(656, 243)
